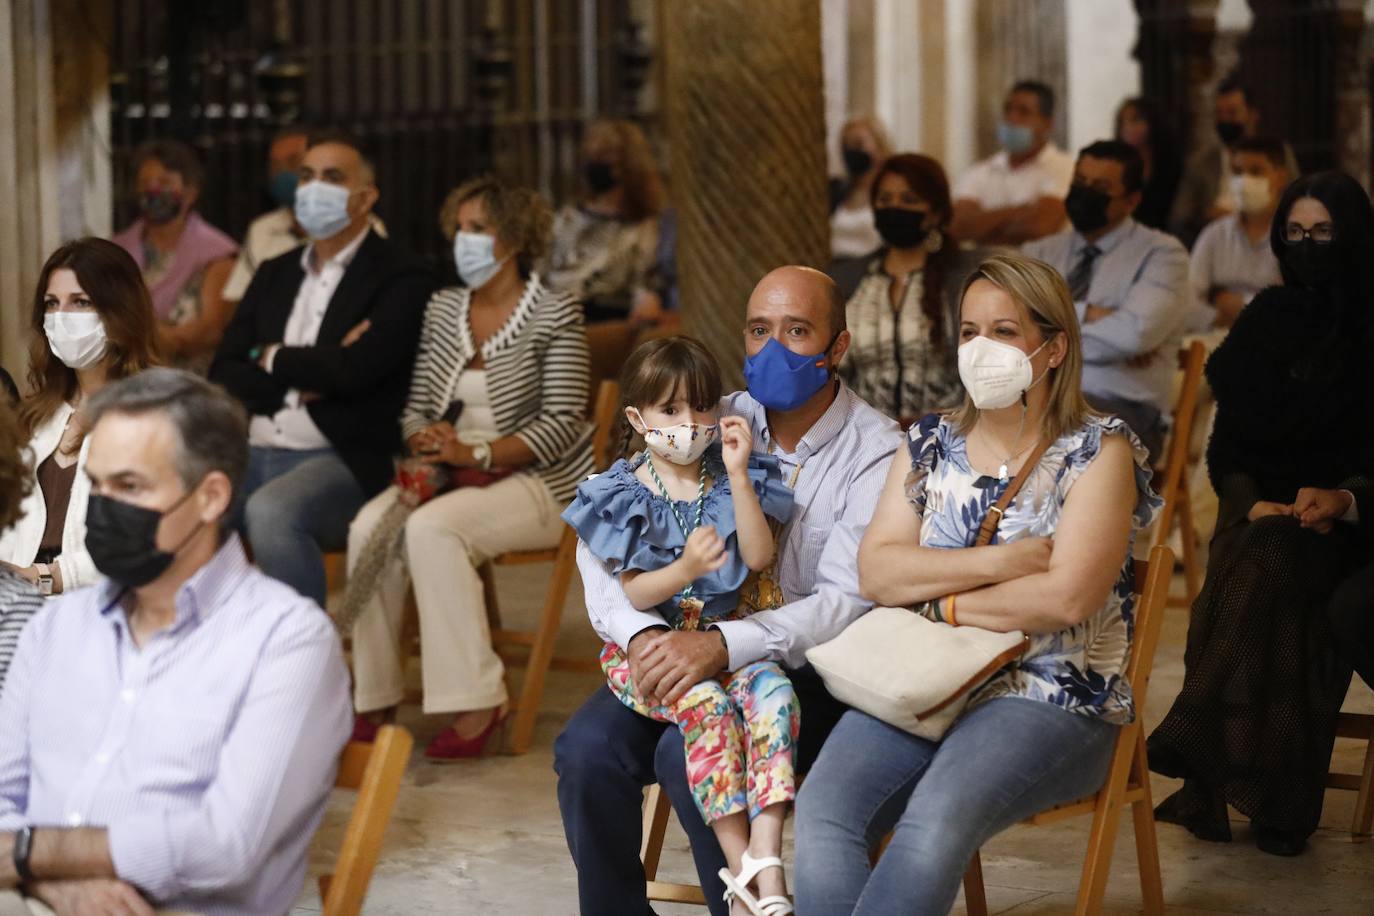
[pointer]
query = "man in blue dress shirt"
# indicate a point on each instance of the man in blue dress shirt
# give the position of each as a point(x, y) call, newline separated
point(1130, 286)
point(168, 736)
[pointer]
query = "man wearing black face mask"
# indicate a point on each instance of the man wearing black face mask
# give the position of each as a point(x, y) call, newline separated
point(1130, 286)
point(170, 735)
point(1204, 194)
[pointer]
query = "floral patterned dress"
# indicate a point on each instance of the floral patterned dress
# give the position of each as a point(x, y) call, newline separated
point(1082, 668)
point(740, 729)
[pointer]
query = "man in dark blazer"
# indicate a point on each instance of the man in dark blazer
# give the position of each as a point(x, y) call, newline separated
point(320, 351)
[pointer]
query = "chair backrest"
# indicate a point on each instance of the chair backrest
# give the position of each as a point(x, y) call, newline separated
point(604, 413)
point(1152, 584)
point(1192, 360)
point(375, 771)
point(608, 343)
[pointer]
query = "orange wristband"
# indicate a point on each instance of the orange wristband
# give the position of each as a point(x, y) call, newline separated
point(949, 609)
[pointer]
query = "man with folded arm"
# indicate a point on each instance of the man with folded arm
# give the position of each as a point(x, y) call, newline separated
point(169, 736)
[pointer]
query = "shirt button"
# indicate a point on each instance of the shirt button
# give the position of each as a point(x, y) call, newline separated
point(127, 695)
point(74, 819)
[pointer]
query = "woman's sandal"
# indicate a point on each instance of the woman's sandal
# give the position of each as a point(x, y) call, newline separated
point(737, 887)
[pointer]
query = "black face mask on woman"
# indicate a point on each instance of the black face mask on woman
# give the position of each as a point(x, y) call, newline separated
point(1313, 264)
point(1087, 208)
point(901, 228)
point(857, 161)
point(122, 539)
point(600, 177)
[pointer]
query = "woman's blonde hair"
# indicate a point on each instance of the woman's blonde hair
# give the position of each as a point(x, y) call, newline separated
point(1040, 292)
point(634, 163)
point(520, 217)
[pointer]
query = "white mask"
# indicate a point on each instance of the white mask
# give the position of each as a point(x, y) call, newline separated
point(682, 444)
point(1251, 193)
point(474, 254)
point(76, 338)
point(995, 374)
point(322, 209)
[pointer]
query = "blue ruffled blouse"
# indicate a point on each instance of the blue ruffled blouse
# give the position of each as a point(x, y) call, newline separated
point(630, 526)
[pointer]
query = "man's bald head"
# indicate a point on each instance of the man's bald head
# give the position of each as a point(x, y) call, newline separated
point(804, 291)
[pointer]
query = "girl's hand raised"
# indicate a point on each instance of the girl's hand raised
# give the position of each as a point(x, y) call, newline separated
point(704, 553)
point(736, 442)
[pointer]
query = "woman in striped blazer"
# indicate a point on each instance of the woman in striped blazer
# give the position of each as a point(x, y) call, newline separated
point(500, 386)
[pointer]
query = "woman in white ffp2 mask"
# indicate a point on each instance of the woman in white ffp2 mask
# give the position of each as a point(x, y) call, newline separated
point(92, 323)
point(1057, 569)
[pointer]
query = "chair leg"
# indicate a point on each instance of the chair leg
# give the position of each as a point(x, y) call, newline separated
point(975, 894)
point(487, 573)
point(1364, 802)
point(1188, 535)
point(1146, 843)
point(656, 811)
point(541, 652)
point(1097, 865)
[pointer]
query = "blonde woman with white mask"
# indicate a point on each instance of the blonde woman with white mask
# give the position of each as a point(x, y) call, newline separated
point(92, 323)
point(1059, 569)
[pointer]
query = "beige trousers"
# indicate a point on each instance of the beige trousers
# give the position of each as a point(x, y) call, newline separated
point(446, 540)
point(14, 904)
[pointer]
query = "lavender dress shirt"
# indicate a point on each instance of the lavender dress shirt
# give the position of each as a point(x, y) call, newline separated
point(208, 753)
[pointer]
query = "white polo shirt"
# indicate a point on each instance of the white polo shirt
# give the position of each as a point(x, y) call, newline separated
point(995, 184)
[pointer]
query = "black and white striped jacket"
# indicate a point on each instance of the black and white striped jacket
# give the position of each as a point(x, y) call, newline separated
point(538, 375)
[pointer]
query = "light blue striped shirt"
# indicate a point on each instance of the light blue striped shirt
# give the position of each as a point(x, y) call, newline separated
point(208, 754)
point(1142, 276)
point(844, 459)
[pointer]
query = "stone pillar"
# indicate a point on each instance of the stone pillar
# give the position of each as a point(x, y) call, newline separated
point(1352, 135)
point(745, 114)
point(1177, 68)
point(54, 147)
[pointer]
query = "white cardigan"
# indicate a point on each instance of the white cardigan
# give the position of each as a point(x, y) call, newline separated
point(19, 545)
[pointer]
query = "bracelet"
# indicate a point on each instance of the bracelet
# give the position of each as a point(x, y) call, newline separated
point(949, 610)
point(23, 847)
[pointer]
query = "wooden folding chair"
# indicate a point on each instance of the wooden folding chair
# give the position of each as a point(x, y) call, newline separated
point(1359, 726)
point(533, 649)
point(1128, 777)
point(1178, 507)
point(656, 811)
point(374, 771)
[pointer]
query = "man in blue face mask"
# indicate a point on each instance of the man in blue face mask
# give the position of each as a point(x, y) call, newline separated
point(1016, 194)
point(834, 451)
point(320, 352)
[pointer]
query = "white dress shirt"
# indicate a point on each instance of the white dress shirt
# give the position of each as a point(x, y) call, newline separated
point(291, 426)
point(844, 459)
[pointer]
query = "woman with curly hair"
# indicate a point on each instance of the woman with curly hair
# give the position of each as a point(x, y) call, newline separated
point(19, 599)
point(92, 323)
point(498, 400)
point(604, 246)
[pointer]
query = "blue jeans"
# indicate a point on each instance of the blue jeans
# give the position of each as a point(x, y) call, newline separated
point(299, 504)
point(1000, 763)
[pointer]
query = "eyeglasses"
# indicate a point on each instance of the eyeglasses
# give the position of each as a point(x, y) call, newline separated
point(1321, 233)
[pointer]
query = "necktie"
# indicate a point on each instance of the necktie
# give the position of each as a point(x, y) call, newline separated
point(1082, 275)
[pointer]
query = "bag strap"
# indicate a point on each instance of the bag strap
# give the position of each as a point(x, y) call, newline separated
point(994, 517)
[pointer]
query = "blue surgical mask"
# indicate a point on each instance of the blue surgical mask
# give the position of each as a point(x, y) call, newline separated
point(322, 209)
point(1015, 138)
point(282, 187)
point(782, 380)
point(474, 254)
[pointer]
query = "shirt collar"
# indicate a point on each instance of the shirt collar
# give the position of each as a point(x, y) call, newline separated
point(1108, 241)
point(343, 258)
point(820, 433)
point(207, 589)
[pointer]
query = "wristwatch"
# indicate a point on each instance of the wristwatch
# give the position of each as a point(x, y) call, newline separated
point(23, 846)
point(481, 453)
point(45, 580)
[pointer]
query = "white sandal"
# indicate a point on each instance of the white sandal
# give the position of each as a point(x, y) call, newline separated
point(737, 887)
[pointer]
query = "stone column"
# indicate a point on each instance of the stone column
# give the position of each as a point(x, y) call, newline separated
point(1352, 133)
point(54, 147)
point(1177, 67)
point(745, 114)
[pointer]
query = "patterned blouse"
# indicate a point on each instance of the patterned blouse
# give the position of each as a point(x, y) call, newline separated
point(892, 363)
point(599, 260)
point(1081, 668)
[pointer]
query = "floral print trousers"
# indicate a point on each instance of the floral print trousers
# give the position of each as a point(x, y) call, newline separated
point(740, 733)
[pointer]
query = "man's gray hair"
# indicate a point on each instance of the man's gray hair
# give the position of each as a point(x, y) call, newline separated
point(211, 425)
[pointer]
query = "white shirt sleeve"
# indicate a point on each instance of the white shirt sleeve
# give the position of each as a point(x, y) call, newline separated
point(612, 615)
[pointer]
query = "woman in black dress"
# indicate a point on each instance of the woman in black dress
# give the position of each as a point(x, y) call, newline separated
point(1255, 721)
